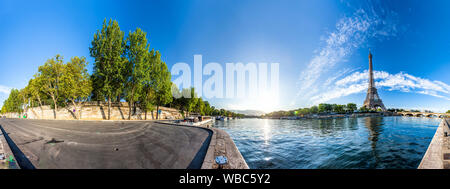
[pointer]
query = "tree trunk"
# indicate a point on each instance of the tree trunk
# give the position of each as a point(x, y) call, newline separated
point(109, 107)
point(25, 107)
point(145, 114)
point(130, 103)
point(157, 112)
point(80, 104)
point(76, 110)
point(129, 109)
point(56, 107)
point(40, 106)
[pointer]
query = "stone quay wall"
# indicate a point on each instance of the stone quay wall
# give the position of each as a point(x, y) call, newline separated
point(96, 111)
point(437, 155)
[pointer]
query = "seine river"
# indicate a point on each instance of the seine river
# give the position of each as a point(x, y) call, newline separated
point(342, 143)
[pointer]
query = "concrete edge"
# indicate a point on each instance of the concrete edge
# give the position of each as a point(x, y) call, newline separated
point(209, 161)
point(9, 156)
point(432, 158)
point(232, 151)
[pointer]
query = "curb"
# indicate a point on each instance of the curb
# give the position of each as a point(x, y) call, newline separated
point(10, 161)
point(220, 144)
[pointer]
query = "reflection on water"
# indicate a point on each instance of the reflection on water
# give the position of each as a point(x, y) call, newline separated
point(368, 142)
point(374, 126)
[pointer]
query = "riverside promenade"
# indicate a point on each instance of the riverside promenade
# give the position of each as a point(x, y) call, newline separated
point(437, 155)
point(71, 144)
point(221, 144)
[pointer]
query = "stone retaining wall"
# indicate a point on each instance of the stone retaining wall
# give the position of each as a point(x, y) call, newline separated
point(96, 111)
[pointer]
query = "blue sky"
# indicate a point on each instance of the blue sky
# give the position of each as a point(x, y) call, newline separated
point(321, 46)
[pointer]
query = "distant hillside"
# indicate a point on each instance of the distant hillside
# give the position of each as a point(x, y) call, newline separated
point(249, 112)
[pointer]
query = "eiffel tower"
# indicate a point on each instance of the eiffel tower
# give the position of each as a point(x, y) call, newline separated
point(373, 101)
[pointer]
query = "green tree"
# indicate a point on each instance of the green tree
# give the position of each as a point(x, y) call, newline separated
point(3, 110)
point(107, 49)
point(162, 86)
point(325, 108)
point(13, 103)
point(448, 112)
point(138, 66)
point(176, 97)
point(35, 89)
point(216, 112)
point(191, 100)
point(314, 109)
point(304, 111)
point(207, 109)
point(76, 85)
point(51, 79)
point(222, 112)
point(183, 100)
point(363, 109)
point(24, 95)
point(145, 100)
point(339, 108)
point(351, 107)
point(200, 106)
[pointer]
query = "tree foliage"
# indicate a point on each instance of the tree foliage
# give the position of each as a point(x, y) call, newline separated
point(125, 69)
point(13, 103)
point(108, 49)
point(137, 67)
point(162, 86)
point(51, 74)
point(76, 83)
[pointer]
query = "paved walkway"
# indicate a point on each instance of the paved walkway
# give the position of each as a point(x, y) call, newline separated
point(438, 153)
point(221, 144)
point(104, 145)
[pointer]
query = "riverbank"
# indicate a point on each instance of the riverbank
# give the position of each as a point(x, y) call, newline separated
point(437, 155)
point(221, 144)
point(330, 116)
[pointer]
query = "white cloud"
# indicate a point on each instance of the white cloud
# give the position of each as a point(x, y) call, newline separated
point(350, 33)
point(358, 81)
point(5, 89)
point(4, 93)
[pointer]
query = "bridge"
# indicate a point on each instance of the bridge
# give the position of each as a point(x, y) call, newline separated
point(424, 114)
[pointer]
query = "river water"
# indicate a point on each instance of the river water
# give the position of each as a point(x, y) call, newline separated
point(342, 143)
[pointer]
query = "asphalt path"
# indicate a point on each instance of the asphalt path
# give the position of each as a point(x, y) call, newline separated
point(57, 144)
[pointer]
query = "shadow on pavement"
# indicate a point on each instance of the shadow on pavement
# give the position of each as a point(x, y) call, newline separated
point(197, 162)
point(22, 160)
